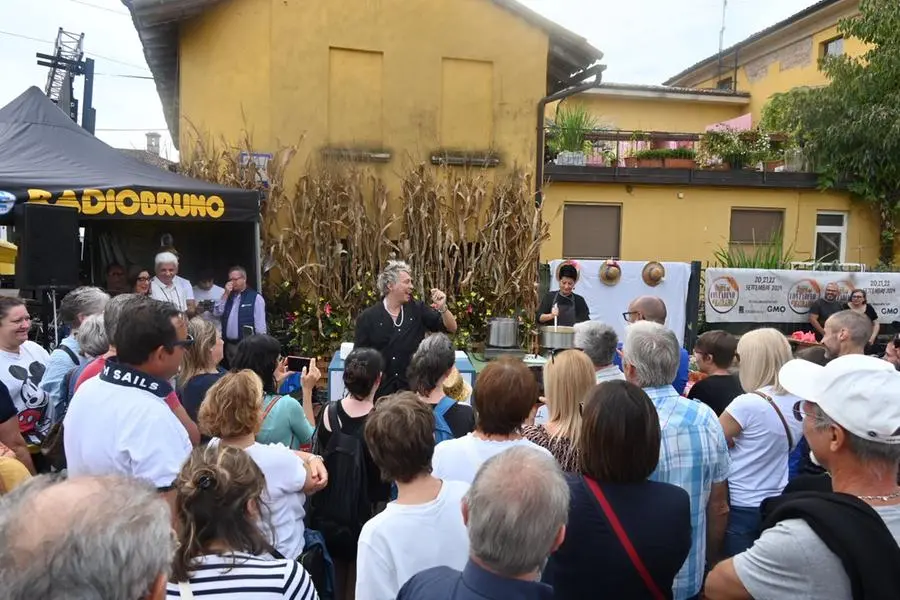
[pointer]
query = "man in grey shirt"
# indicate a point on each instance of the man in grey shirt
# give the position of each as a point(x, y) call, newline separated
point(853, 430)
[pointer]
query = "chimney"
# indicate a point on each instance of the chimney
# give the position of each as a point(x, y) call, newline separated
point(153, 143)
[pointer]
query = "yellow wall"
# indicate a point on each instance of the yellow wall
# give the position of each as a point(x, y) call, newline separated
point(653, 114)
point(657, 224)
point(409, 76)
point(784, 69)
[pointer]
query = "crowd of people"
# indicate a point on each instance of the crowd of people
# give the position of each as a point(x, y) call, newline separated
point(774, 476)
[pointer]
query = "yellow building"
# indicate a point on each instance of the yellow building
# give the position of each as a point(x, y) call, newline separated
point(608, 210)
point(779, 58)
point(384, 82)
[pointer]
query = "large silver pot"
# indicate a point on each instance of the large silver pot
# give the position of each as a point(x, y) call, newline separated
point(557, 338)
point(503, 333)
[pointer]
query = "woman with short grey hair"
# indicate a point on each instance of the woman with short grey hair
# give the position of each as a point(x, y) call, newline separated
point(91, 337)
point(397, 324)
point(429, 368)
point(599, 341)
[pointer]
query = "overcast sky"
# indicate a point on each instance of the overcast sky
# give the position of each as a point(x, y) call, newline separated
point(644, 41)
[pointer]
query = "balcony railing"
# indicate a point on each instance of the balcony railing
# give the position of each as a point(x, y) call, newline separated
point(671, 150)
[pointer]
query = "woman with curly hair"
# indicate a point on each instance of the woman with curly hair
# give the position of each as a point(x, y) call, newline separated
point(232, 414)
point(222, 552)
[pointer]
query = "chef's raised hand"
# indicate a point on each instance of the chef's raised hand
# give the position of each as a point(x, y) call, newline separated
point(554, 312)
point(438, 299)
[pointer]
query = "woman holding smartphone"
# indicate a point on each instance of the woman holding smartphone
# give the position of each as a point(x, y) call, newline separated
point(286, 421)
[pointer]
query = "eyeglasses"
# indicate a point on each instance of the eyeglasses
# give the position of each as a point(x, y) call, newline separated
point(185, 343)
point(630, 315)
point(142, 278)
point(799, 413)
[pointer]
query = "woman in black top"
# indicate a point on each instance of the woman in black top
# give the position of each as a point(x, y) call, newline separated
point(398, 324)
point(714, 353)
point(859, 303)
point(430, 366)
point(200, 367)
point(619, 442)
point(564, 304)
point(362, 377)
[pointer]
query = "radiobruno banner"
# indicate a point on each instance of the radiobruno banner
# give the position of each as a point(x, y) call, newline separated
point(763, 296)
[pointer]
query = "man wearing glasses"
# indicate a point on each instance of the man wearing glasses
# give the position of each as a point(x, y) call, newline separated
point(826, 545)
point(242, 311)
point(118, 423)
point(653, 309)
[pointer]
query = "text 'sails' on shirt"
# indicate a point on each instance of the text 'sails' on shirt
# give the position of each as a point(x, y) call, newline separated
point(22, 374)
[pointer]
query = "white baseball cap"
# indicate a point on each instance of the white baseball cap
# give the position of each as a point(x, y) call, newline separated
point(859, 393)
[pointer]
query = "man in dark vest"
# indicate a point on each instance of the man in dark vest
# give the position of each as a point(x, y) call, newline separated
point(242, 311)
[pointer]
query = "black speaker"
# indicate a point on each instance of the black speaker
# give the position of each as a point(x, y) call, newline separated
point(49, 248)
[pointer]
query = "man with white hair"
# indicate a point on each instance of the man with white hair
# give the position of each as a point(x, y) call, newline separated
point(168, 286)
point(86, 537)
point(398, 324)
point(516, 513)
point(599, 341)
point(693, 452)
point(840, 545)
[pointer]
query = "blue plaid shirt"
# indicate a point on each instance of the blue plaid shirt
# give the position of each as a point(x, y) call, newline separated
point(693, 455)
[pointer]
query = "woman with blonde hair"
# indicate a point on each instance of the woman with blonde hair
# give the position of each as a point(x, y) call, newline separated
point(760, 434)
point(200, 367)
point(232, 413)
point(221, 550)
point(568, 379)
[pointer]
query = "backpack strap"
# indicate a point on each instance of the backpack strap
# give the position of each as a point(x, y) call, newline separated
point(787, 430)
point(617, 528)
point(71, 354)
point(443, 407)
point(270, 406)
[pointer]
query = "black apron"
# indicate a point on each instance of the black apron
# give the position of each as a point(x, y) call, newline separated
point(566, 307)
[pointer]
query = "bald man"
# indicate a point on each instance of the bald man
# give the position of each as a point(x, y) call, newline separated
point(652, 308)
point(100, 537)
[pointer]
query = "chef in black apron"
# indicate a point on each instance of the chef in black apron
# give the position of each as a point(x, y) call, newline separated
point(564, 304)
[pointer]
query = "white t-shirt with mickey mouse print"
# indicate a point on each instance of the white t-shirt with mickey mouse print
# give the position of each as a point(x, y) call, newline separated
point(22, 373)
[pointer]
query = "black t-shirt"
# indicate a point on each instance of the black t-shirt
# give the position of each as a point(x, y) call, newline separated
point(823, 309)
point(591, 563)
point(870, 312)
point(572, 308)
point(8, 407)
point(193, 393)
point(461, 419)
point(396, 340)
point(717, 391)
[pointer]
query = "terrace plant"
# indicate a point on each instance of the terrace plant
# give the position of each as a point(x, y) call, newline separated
point(567, 134)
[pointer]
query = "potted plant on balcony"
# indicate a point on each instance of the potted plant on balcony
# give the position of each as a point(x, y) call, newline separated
point(680, 158)
point(650, 159)
point(637, 138)
point(567, 135)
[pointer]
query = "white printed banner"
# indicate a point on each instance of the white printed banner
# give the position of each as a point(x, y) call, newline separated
point(763, 296)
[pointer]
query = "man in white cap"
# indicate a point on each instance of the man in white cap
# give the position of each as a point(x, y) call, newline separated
point(832, 545)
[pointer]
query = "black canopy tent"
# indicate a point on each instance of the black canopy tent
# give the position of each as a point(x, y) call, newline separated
point(47, 158)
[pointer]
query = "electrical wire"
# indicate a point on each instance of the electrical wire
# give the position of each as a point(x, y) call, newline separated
point(94, 54)
point(98, 7)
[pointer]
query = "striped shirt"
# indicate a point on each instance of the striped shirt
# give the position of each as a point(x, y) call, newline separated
point(693, 455)
point(247, 577)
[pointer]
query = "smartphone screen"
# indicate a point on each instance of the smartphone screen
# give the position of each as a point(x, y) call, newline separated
point(297, 363)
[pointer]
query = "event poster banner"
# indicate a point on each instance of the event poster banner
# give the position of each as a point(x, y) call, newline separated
point(763, 296)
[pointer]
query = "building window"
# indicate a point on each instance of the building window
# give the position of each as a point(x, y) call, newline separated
point(591, 230)
point(833, 47)
point(831, 237)
point(755, 226)
point(726, 84)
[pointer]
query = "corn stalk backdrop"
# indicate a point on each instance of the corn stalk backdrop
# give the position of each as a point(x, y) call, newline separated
point(470, 232)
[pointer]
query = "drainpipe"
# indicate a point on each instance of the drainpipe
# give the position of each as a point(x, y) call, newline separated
point(597, 71)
